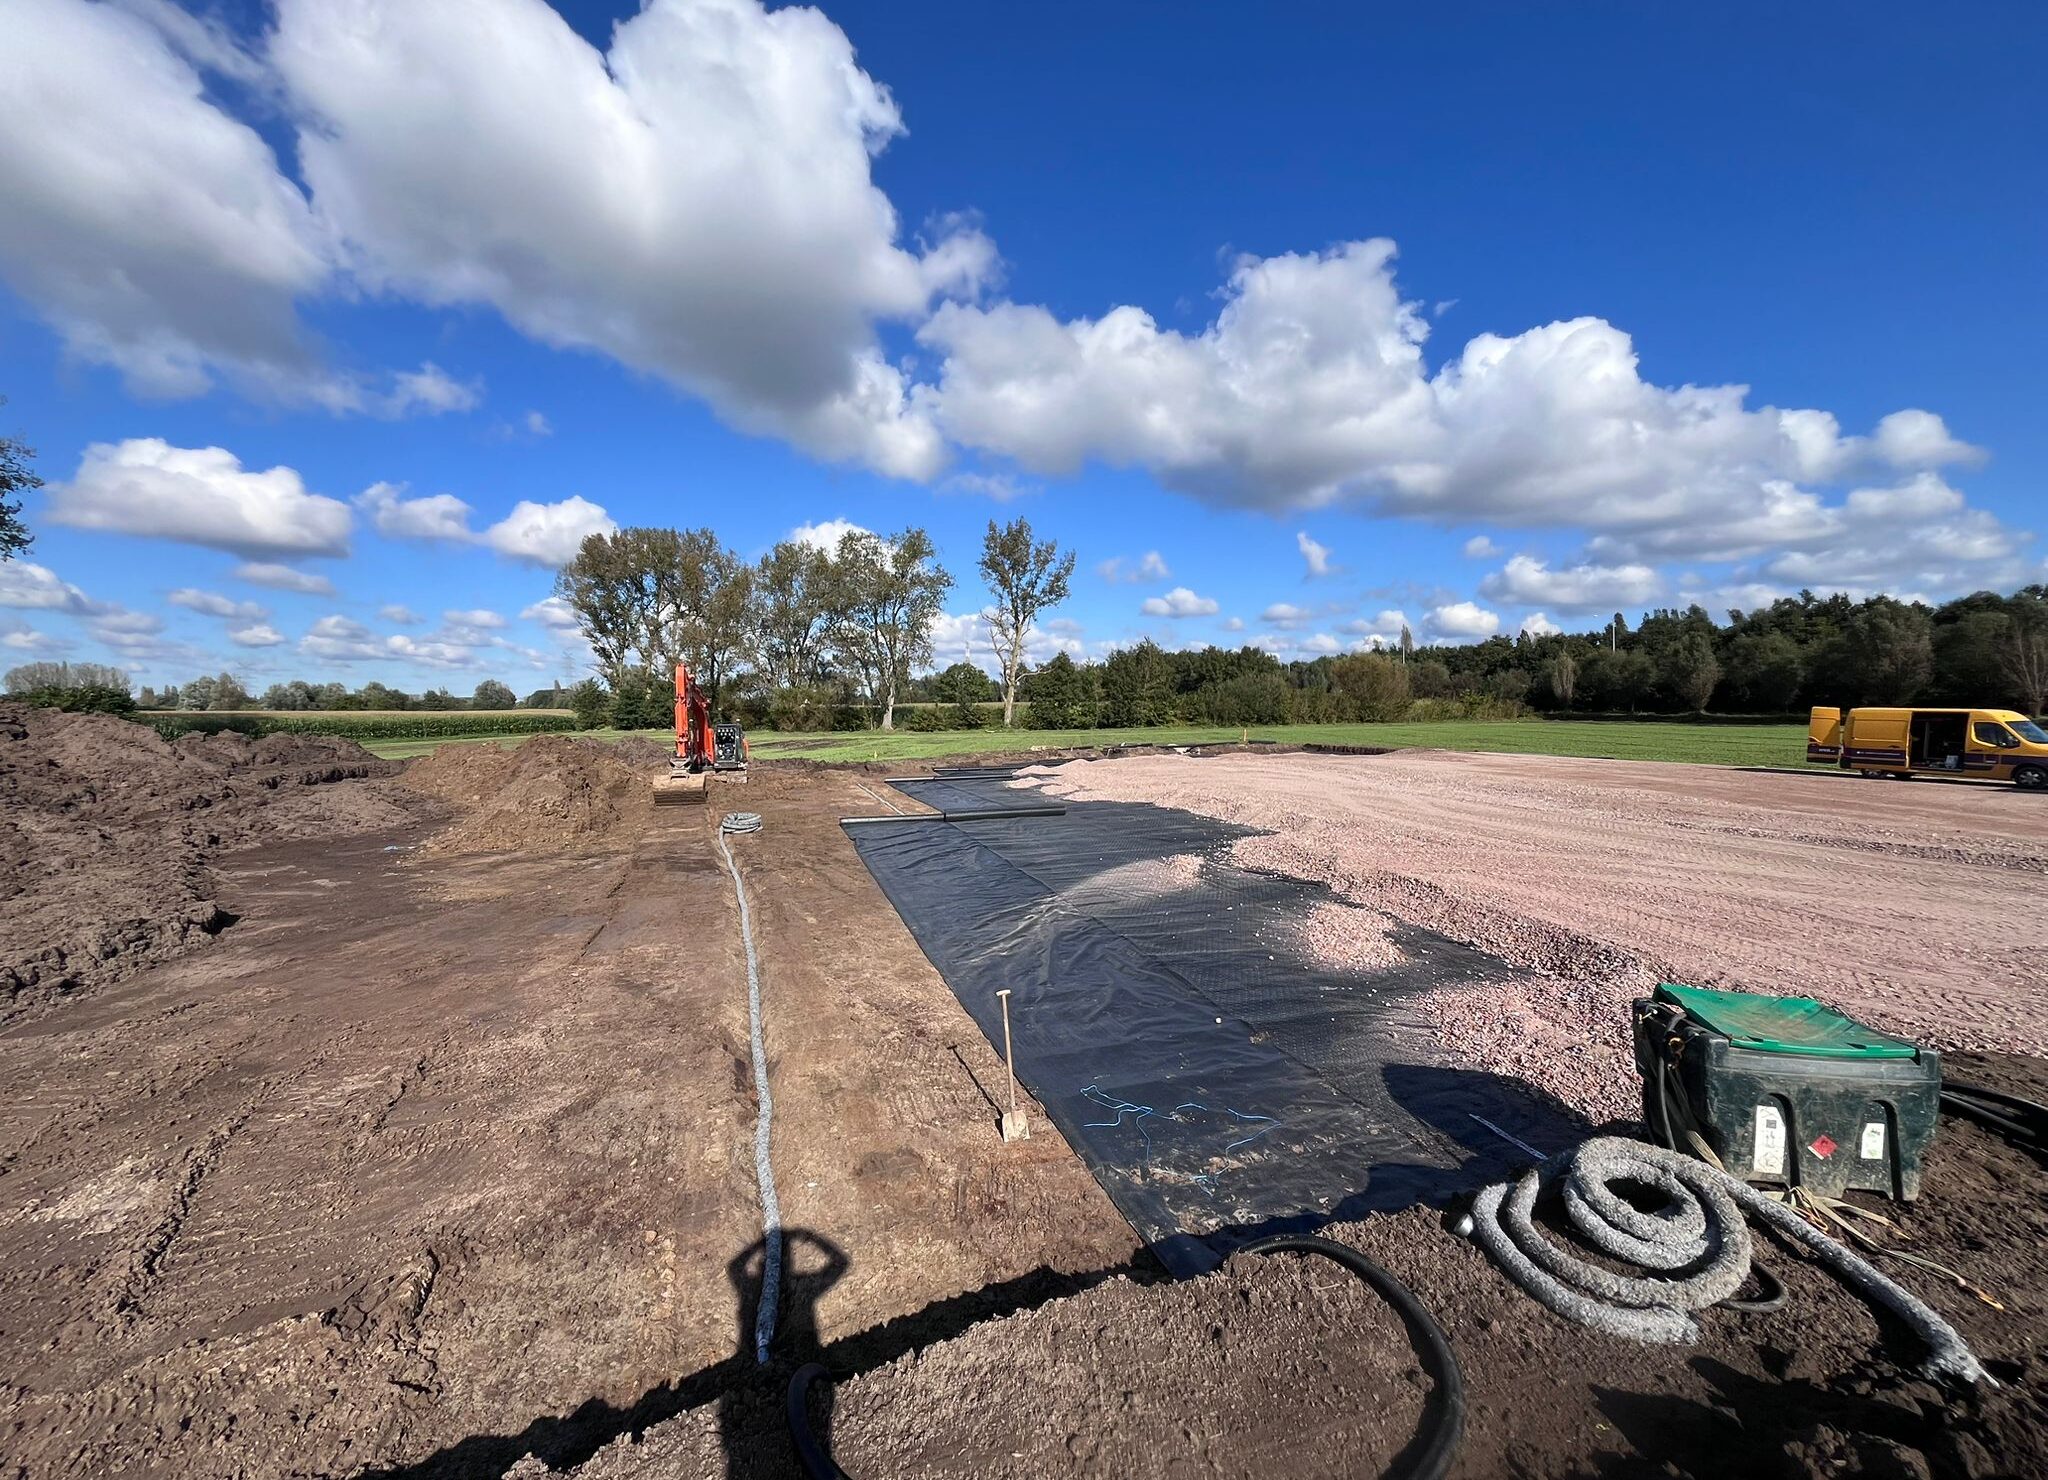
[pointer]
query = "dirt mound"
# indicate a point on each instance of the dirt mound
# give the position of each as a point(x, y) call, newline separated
point(106, 829)
point(549, 795)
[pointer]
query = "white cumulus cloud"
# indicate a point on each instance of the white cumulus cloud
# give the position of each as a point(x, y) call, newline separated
point(553, 613)
point(1462, 620)
point(826, 534)
point(1527, 581)
point(256, 635)
point(198, 496)
point(1310, 389)
point(1316, 555)
point(213, 604)
point(28, 586)
point(1147, 568)
point(695, 202)
point(279, 577)
point(1179, 602)
point(537, 533)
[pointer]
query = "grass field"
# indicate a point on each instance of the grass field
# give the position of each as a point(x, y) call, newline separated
point(1643, 740)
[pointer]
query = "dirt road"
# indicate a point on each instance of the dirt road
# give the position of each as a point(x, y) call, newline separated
point(434, 1161)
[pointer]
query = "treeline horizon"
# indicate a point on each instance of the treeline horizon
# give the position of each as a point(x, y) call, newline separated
point(1980, 650)
point(809, 639)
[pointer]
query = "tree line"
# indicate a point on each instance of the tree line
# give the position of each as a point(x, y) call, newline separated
point(1981, 650)
point(802, 638)
point(100, 687)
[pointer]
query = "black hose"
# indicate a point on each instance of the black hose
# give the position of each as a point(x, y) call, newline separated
point(818, 1465)
point(1767, 1299)
point(2024, 1122)
point(1436, 1443)
point(987, 814)
point(1433, 1446)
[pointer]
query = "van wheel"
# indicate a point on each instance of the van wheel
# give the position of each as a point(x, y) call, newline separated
point(2030, 778)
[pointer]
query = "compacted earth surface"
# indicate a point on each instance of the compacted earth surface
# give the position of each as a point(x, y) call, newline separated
point(441, 1153)
point(362, 1121)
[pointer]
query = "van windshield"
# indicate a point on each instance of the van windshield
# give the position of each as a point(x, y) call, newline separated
point(2026, 729)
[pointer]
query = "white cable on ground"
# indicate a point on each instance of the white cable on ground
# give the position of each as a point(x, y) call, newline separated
point(1701, 1230)
point(764, 1173)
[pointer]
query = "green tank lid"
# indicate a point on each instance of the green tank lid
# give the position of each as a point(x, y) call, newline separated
point(1784, 1024)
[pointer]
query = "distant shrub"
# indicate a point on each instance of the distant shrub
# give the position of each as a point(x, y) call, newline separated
point(800, 710)
point(1469, 706)
point(91, 698)
point(592, 704)
point(928, 720)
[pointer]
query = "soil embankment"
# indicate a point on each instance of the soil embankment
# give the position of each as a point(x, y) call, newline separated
point(108, 834)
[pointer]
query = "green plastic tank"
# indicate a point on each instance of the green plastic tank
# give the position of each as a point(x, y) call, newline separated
point(1787, 1092)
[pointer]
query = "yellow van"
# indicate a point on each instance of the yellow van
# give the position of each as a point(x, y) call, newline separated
point(1995, 744)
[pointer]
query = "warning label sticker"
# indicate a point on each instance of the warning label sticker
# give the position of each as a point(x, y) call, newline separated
point(1872, 1145)
point(1768, 1157)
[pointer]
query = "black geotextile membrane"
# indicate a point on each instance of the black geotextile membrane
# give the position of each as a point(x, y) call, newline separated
point(1218, 1084)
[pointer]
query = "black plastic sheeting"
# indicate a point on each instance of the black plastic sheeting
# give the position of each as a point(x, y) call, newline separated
point(1218, 1084)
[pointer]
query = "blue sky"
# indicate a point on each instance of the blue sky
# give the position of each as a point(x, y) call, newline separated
point(1424, 292)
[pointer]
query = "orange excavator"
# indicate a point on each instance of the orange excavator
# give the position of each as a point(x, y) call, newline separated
point(701, 746)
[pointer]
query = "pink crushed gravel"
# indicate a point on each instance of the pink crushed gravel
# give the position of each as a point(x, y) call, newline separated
point(1921, 908)
point(1345, 935)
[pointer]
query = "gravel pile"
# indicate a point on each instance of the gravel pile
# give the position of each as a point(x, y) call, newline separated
point(1347, 936)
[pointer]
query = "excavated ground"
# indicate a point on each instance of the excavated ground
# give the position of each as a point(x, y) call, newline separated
point(438, 1160)
point(1284, 1366)
point(108, 831)
point(440, 1157)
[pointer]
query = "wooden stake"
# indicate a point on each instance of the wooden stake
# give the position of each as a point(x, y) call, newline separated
point(1015, 1128)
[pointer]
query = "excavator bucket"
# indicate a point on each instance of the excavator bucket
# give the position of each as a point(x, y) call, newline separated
point(682, 789)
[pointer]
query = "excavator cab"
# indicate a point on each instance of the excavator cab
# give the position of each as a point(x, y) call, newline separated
point(728, 747)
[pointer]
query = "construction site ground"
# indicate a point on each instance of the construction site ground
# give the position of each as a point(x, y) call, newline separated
point(431, 1153)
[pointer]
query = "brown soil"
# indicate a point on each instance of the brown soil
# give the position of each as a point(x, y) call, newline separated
point(437, 1159)
point(1284, 1366)
point(107, 833)
point(1921, 908)
point(548, 795)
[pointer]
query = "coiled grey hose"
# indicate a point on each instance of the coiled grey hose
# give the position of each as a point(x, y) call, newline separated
point(764, 1173)
point(1701, 1229)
